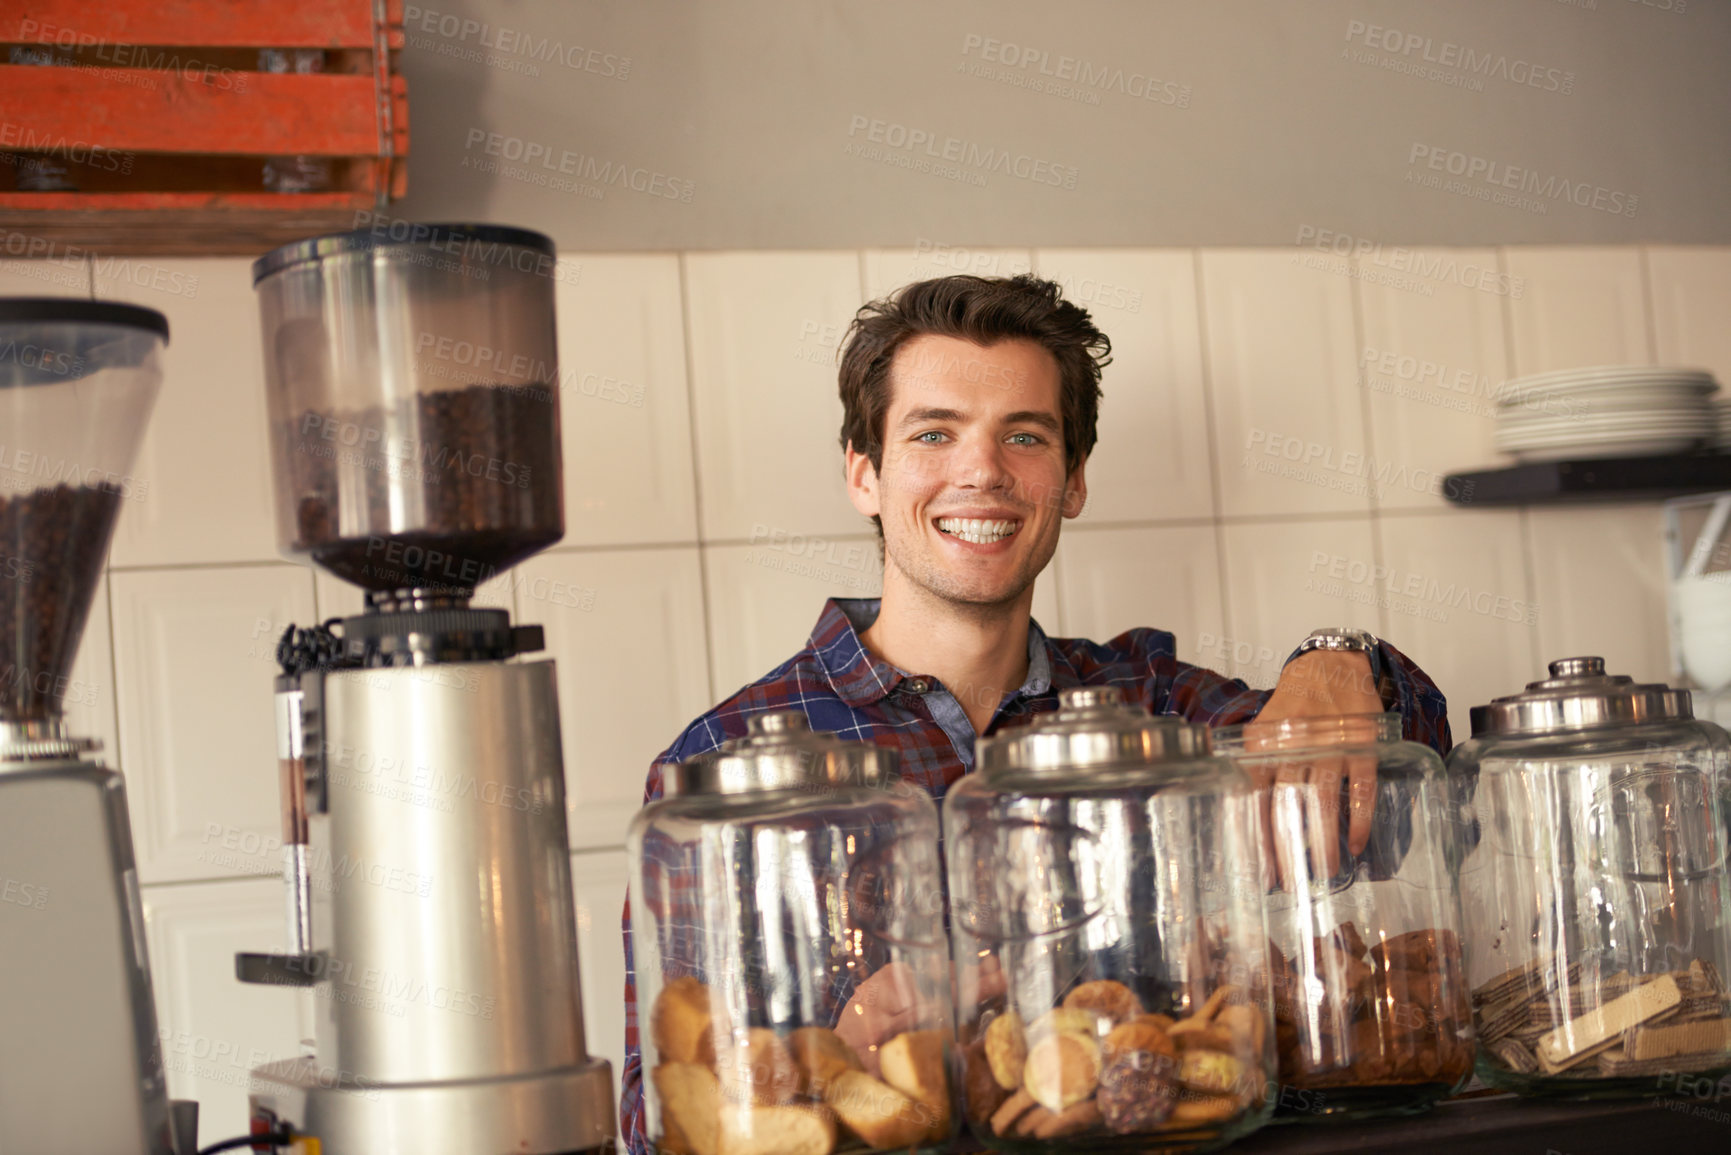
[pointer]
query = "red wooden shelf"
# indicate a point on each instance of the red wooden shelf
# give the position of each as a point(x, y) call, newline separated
point(159, 117)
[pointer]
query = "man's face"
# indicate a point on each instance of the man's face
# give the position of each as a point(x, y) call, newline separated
point(973, 488)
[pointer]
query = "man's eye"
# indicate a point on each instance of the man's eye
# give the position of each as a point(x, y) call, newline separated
point(1024, 439)
point(930, 437)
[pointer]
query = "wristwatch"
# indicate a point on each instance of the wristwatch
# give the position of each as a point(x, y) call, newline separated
point(1349, 640)
point(1338, 638)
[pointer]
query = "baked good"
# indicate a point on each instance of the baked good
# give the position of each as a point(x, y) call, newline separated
point(1071, 1121)
point(1007, 1049)
point(821, 1056)
point(1199, 1110)
point(1060, 1019)
point(877, 1112)
point(690, 1107)
point(679, 1017)
point(982, 1094)
point(1139, 1083)
point(1062, 1069)
point(1246, 1024)
point(1011, 1110)
point(1210, 1072)
point(1105, 1000)
point(913, 1063)
point(1143, 1033)
point(757, 1068)
point(801, 1129)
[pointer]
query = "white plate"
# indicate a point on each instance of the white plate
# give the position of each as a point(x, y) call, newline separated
point(1517, 444)
point(1587, 380)
point(1603, 429)
point(1606, 428)
point(1608, 400)
point(1632, 447)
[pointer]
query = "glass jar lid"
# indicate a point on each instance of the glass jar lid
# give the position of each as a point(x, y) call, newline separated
point(1577, 696)
point(1093, 726)
point(780, 751)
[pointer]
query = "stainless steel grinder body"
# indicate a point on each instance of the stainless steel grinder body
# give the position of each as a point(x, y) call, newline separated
point(81, 1066)
point(443, 942)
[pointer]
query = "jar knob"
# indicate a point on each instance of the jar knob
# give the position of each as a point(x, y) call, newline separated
point(1578, 667)
point(1089, 697)
point(778, 722)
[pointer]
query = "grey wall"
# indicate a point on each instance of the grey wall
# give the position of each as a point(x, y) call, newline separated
point(816, 123)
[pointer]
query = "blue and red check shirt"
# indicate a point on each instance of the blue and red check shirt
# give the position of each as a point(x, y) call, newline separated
point(841, 687)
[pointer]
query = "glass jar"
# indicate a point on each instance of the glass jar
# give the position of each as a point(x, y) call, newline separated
point(1597, 905)
point(787, 908)
point(1370, 1003)
point(1107, 925)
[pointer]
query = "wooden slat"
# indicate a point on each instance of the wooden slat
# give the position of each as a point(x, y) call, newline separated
point(139, 110)
point(157, 201)
point(196, 23)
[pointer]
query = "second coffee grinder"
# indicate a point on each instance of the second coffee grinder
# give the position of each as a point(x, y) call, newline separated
point(413, 389)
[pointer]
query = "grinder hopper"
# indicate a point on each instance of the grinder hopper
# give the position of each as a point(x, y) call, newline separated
point(80, 1061)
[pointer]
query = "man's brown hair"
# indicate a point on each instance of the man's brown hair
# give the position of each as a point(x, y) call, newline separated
point(983, 310)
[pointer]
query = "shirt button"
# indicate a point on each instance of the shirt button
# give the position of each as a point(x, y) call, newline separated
point(917, 685)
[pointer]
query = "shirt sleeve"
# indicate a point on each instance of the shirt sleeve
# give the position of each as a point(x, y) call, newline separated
point(1201, 695)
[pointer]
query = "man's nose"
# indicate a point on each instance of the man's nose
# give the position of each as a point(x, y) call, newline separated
point(981, 464)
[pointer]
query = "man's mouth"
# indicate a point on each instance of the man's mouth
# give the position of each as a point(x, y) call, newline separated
point(980, 531)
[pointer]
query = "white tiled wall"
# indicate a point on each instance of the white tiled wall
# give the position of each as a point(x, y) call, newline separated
point(707, 520)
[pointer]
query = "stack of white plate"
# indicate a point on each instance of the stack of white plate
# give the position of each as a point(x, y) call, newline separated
point(1607, 411)
point(1722, 420)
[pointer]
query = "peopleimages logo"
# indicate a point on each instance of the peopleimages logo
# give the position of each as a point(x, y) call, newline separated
point(899, 138)
point(1494, 175)
point(1447, 54)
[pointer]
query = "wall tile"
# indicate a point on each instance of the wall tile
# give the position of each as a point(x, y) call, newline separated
point(1455, 594)
point(1152, 460)
point(887, 270)
point(194, 657)
point(205, 460)
point(214, 1028)
point(764, 332)
point(626, 629)
point(1691, 290)
point(623, 401)
point(1429, 368)
point(1576, 307)
point(1278, 589)
point(1167, 578)
point(764, 599)
point(598, 880)
point(1601, 587)
point(58, 276)
point(1288, 426)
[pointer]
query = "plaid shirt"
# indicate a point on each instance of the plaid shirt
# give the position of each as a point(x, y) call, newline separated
point(841, 687)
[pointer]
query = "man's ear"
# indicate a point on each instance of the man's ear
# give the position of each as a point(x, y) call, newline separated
point(1076, 490)
point(862, 482)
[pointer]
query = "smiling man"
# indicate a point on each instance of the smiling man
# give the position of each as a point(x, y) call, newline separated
point(969, 411)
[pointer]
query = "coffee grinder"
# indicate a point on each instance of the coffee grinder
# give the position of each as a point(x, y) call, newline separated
point(413, 396)
point(81, 1065)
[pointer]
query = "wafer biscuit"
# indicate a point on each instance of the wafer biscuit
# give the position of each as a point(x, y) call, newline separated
point(1662, 1042)
point(1514, 1056)
point(1502, 1019)
point(1623, 1067)
point(1602, 1028)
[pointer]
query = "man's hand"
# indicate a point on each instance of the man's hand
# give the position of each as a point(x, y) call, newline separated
point(1301, 798)
point(883, 1006)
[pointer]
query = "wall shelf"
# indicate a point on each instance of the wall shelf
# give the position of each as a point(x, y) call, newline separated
point(1608, 479)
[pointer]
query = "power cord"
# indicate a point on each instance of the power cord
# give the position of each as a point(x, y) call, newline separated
point(281, 1137)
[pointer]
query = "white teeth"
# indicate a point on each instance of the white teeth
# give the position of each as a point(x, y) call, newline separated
point(980, 531)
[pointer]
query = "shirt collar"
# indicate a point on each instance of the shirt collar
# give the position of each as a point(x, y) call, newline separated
point(862, 679)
